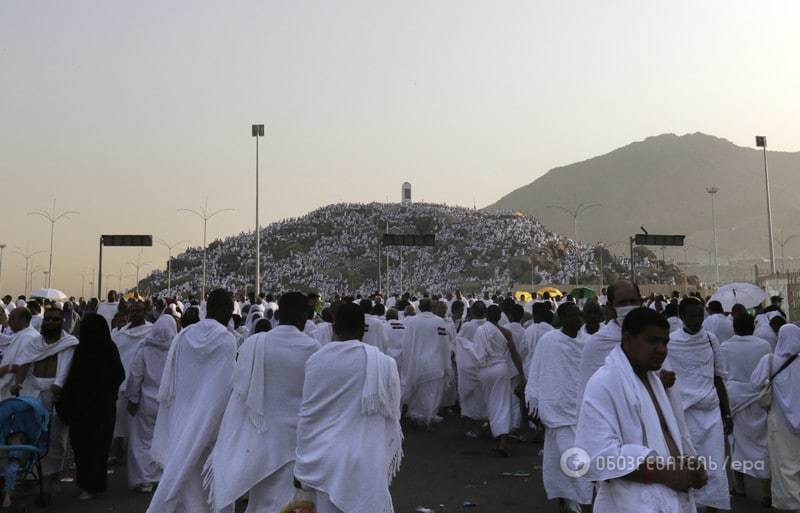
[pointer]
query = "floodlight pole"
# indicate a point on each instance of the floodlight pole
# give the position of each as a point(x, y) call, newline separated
point(713, 192)
point(257, 131)
point(761, 141)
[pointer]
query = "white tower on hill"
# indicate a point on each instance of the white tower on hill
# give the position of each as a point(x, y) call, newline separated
point(405, 196)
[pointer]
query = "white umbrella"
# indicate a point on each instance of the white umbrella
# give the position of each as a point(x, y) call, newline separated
point(746, 294)
point(51, 294)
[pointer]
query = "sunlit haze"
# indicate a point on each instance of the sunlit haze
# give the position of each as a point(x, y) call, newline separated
point(127, 111)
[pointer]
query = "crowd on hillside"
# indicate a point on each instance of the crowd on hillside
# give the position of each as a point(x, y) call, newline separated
point(336, 248)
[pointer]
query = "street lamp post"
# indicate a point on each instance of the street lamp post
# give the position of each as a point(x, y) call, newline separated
point(761, 142)
point(782, 242)
point(27, 256)
point(53, 218)
point(712, 191)
point(138, 265)
point(170, 247)
point(575, 213)
point(29, 278)
point(257, 131)
point(205, 216)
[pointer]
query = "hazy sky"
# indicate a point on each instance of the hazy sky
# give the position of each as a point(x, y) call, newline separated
point(126, 111)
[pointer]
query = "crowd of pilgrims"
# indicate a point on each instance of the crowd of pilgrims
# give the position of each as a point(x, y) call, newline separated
point(269, 399)
point(470, 245)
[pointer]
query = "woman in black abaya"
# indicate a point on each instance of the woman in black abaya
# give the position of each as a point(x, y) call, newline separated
point(88, 403)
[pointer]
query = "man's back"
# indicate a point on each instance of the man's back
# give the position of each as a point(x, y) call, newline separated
point(742, 354)
point(426, 349)
point(343, 451)
point(720, 325)
point(194, 392)
point(284, 351)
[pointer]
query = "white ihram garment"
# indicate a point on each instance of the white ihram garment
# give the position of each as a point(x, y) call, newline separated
point(425, 364)
point(493, 357)
point(35, 351)
point(260, 421)
point(532, 335)
point(720, 325)
point(595, 351)
point(749, 453)
point(374, 334)
point(19, 341)
point(618, 423)
point(143, 381)
point(349, 441)
point(394, 330)
point(696, 361)
point(470, 393)
point(323, 333)
point(783, 424)
point(194, 391)
point(553, 394)
point(128, 340)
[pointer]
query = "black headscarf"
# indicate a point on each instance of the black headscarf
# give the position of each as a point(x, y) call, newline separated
point(90, 390)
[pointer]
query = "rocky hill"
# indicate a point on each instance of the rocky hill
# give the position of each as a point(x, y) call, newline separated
point(335, 250)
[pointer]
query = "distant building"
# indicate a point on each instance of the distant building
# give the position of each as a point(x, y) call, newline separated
point(405, 197)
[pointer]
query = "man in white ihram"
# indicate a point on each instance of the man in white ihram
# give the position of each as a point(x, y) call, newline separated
point(749, 454)
point(553, 375)
point(426, 364)
point(700, 370)
point(128, 339)
point(623, 296)
point(632, 440)
point(262, 415)
point(194, 391)
point(349, 441)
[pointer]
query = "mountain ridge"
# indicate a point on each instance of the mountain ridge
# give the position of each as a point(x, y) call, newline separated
point(660, 182)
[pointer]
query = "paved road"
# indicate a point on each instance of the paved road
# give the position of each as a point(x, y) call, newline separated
point(441, 470)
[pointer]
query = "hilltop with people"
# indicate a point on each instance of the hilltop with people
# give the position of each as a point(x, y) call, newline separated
point(335, 248)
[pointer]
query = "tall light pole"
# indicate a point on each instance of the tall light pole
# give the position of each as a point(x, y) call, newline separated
point(575, 213)
point(27, 256)
point(712, 191)
point(258, 131)
point(205, 216)
point(53, 218)
point(2, 248)
point(138, 265)
point(170, 247)
point(761, 142)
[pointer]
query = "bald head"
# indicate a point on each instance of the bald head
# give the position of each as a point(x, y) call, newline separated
point(624, 293)
point(19, 319)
